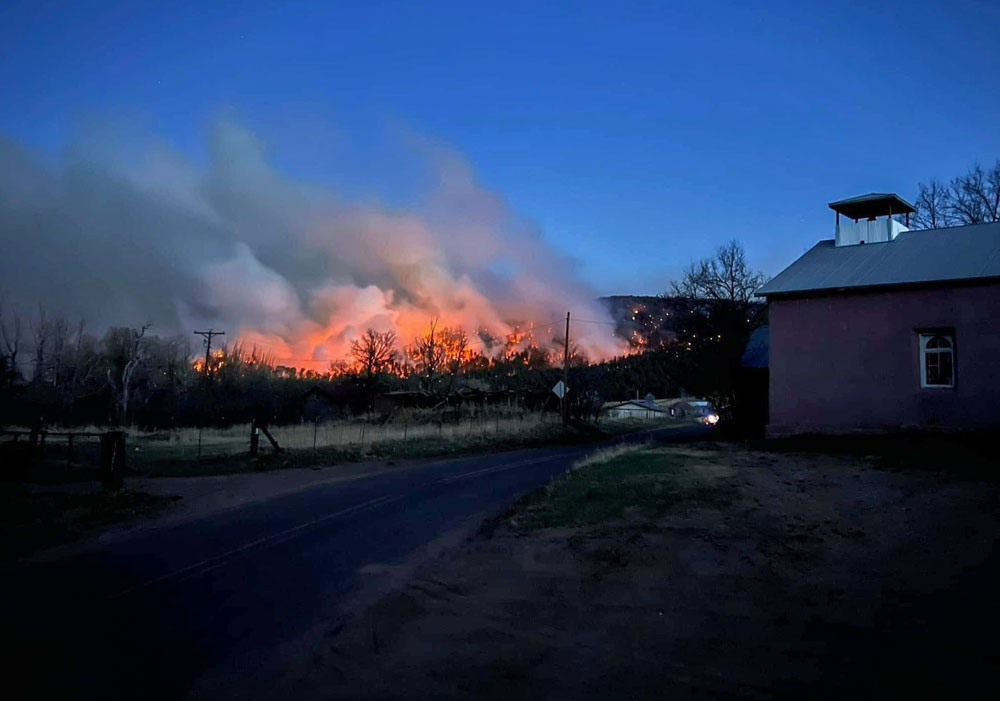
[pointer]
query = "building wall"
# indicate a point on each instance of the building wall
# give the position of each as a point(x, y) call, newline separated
point(634, 412)
point(851, 361)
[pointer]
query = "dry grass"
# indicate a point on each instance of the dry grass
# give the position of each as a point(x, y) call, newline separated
point(190, 443)
point(639, 478)
point(614, 452)
point(195, 451)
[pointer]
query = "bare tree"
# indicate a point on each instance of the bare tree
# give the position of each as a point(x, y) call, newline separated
point(428, 353)
point(84, 364)
point(456, 348)
point(10, 333)
point(933, 211)
point(726, 277)
point(374, 352)
point(59, 336)
point(40, 335)
point(973, 198)
point(976, 195)
point(130, 348)
point(338, 368)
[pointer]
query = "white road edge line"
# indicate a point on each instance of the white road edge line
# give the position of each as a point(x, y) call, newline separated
point(499, 468)
point(379, 501)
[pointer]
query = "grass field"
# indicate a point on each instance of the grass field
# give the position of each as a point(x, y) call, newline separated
point(354, 435)
point(639, 478)
point(32, 519)
point(193, 451)
point(344, 442)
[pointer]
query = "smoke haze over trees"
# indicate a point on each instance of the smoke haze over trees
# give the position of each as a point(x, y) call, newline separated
point(131, 375)
point(120, 229)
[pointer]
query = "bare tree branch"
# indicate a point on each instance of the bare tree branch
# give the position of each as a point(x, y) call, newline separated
point(933, 206)
point(130, 347)
point(10, 333)
point(726, 277)
point(374, 351)
point(973, 198)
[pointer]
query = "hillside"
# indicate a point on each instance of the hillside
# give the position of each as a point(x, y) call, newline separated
point(648, 321)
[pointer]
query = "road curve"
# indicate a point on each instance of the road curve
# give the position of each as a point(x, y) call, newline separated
point(149, 614)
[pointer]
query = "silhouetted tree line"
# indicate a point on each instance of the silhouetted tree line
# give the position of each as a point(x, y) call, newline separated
point(972, 198)
point(58, 373)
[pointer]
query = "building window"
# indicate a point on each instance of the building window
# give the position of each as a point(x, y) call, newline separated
point(937, 360)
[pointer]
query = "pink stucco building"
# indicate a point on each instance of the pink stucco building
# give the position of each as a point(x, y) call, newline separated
point(884, 328)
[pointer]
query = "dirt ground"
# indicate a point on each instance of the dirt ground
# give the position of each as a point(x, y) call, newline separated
point(821, 576)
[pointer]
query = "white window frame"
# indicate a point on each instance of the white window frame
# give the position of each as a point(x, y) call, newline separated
point(925, 338)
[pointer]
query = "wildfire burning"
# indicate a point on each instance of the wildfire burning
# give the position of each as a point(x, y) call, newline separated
point(448, 350)
point(293, 268)
point(462, 261)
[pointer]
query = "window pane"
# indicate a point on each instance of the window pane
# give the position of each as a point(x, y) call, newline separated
point(931, 361)
point(944, 361)
point(938, 366)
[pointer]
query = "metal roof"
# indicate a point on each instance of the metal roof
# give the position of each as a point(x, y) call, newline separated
point(645, 404)
point(913, 257)
point(874, 204)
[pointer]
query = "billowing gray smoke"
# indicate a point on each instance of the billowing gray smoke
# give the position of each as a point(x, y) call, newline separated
point(120, 233)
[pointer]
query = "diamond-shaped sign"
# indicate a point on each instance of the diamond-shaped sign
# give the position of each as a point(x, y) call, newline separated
point(560, 389)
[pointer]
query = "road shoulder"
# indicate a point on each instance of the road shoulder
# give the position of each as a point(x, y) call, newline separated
point(736, 573)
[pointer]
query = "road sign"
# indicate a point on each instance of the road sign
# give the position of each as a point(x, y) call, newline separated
point(560, 389)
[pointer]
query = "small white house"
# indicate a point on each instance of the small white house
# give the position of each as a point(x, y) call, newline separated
point(680, 409)
point(636, 409)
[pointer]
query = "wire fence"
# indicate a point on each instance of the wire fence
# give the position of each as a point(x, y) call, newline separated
point(186, 444)
point(54, 454)
point(69, 455)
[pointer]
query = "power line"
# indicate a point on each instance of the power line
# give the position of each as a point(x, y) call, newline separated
point(564, 405)
point(592, 321)
point(207, 335)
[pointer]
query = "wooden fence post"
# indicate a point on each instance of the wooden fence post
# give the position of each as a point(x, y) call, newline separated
point(113, 460)
point(269, 437)
point(36, 429)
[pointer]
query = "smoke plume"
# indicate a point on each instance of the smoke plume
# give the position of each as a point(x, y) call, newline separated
point(123, 232)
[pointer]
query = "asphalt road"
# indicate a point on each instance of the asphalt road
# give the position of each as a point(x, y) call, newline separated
point(148, 615)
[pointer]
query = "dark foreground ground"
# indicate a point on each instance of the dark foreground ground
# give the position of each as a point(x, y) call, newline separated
point(231, 600)
point(700, 571)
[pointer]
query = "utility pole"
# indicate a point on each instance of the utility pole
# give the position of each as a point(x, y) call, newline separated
point(565, 404)
point(207, 335)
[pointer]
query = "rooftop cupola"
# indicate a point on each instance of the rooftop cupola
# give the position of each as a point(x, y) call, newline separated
point(871, 218)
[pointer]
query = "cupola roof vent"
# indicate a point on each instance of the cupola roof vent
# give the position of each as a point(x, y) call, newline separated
point(874, 204)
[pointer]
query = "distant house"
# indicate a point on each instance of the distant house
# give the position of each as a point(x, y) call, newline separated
point(884, 328)
point(647, 408)
point(684, 409)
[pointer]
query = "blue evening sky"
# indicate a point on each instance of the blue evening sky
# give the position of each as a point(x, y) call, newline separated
point(637, 135)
